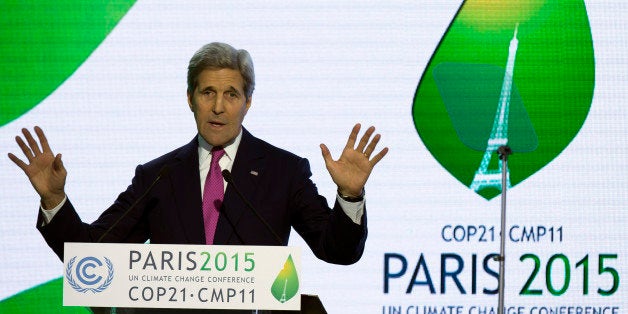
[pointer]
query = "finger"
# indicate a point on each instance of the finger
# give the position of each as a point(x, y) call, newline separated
point(42, 139)
point(353, 136)
point(57, 164)
point(365, 138)
point(371, 147)
point(18, 162)
point(379, 156)
point(25, 149)
point(31, 142)
point(326, 154)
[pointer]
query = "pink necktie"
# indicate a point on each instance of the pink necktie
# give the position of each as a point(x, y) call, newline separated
point(213, 193)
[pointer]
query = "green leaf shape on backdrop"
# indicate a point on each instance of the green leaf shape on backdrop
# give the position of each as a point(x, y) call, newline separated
point(44, 42)
point(554, 75)
point(286, 284)
point(469, 92)
point(45, 298)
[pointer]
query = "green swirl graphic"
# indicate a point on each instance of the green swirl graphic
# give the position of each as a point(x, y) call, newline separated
point(45, 298)
point(515, 72)
point(44, 42)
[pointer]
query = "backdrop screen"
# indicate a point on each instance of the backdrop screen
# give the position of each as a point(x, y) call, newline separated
point(444, 82)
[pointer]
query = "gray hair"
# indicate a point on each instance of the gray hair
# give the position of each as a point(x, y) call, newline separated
point(221, 56)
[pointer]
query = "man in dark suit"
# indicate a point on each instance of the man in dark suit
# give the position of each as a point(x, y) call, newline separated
point(174, 210)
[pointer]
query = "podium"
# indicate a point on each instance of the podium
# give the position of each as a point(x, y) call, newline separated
point(159, 278)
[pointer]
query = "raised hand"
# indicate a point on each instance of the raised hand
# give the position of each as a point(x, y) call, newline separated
point(44, 170)
point(351, 171)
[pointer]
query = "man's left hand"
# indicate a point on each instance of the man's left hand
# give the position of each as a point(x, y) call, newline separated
point(351, 171)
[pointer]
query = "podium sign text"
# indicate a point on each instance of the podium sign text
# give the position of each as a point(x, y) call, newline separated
point(181, 276)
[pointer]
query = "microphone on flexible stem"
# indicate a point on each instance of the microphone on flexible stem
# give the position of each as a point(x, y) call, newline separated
point(162, 173)
point(223, 212)
point(227, 176)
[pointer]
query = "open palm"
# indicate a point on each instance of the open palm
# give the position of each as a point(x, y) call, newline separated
point(351, 171)
point(44, 170)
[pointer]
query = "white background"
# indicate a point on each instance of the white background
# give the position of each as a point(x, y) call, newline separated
point(321, 67)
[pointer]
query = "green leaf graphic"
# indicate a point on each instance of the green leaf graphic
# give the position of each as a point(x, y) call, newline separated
point(515, 72)
point(45, 298)
point(286, 285)
point(44, 42)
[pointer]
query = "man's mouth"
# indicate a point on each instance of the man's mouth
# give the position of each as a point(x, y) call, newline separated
point(216, 124)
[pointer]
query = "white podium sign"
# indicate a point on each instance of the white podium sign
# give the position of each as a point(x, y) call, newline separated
point(181, 276)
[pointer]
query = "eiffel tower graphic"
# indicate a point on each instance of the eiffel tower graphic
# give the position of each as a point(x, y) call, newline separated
point(283, 295)
point(492, 178)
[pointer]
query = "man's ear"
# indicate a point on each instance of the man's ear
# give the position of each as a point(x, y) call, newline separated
point(190, 102)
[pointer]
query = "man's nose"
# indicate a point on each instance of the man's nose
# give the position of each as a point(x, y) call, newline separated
point(218, 106)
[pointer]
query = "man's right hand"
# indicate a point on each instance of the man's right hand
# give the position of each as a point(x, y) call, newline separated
point(44, 169)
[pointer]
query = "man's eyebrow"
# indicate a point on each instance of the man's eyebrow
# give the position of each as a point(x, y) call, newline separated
point(233, 89)
point(207, 88)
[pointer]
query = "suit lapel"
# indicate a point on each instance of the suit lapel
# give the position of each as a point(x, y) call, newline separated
point(246, 171)
point(187, 194)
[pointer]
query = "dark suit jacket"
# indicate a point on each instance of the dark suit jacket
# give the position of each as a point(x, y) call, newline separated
point(275, 181)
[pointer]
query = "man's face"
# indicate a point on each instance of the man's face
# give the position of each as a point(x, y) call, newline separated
point(219, 105)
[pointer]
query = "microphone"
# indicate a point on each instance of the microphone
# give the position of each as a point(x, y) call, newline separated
point(162, 173)
point(223, 212)
point(227, 176)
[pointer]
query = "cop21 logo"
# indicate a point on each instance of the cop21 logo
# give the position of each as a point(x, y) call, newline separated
point(286, 284)
point(520, 73)
point(89, 273)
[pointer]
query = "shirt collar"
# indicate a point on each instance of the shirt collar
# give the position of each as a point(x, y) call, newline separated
point(231, 148)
